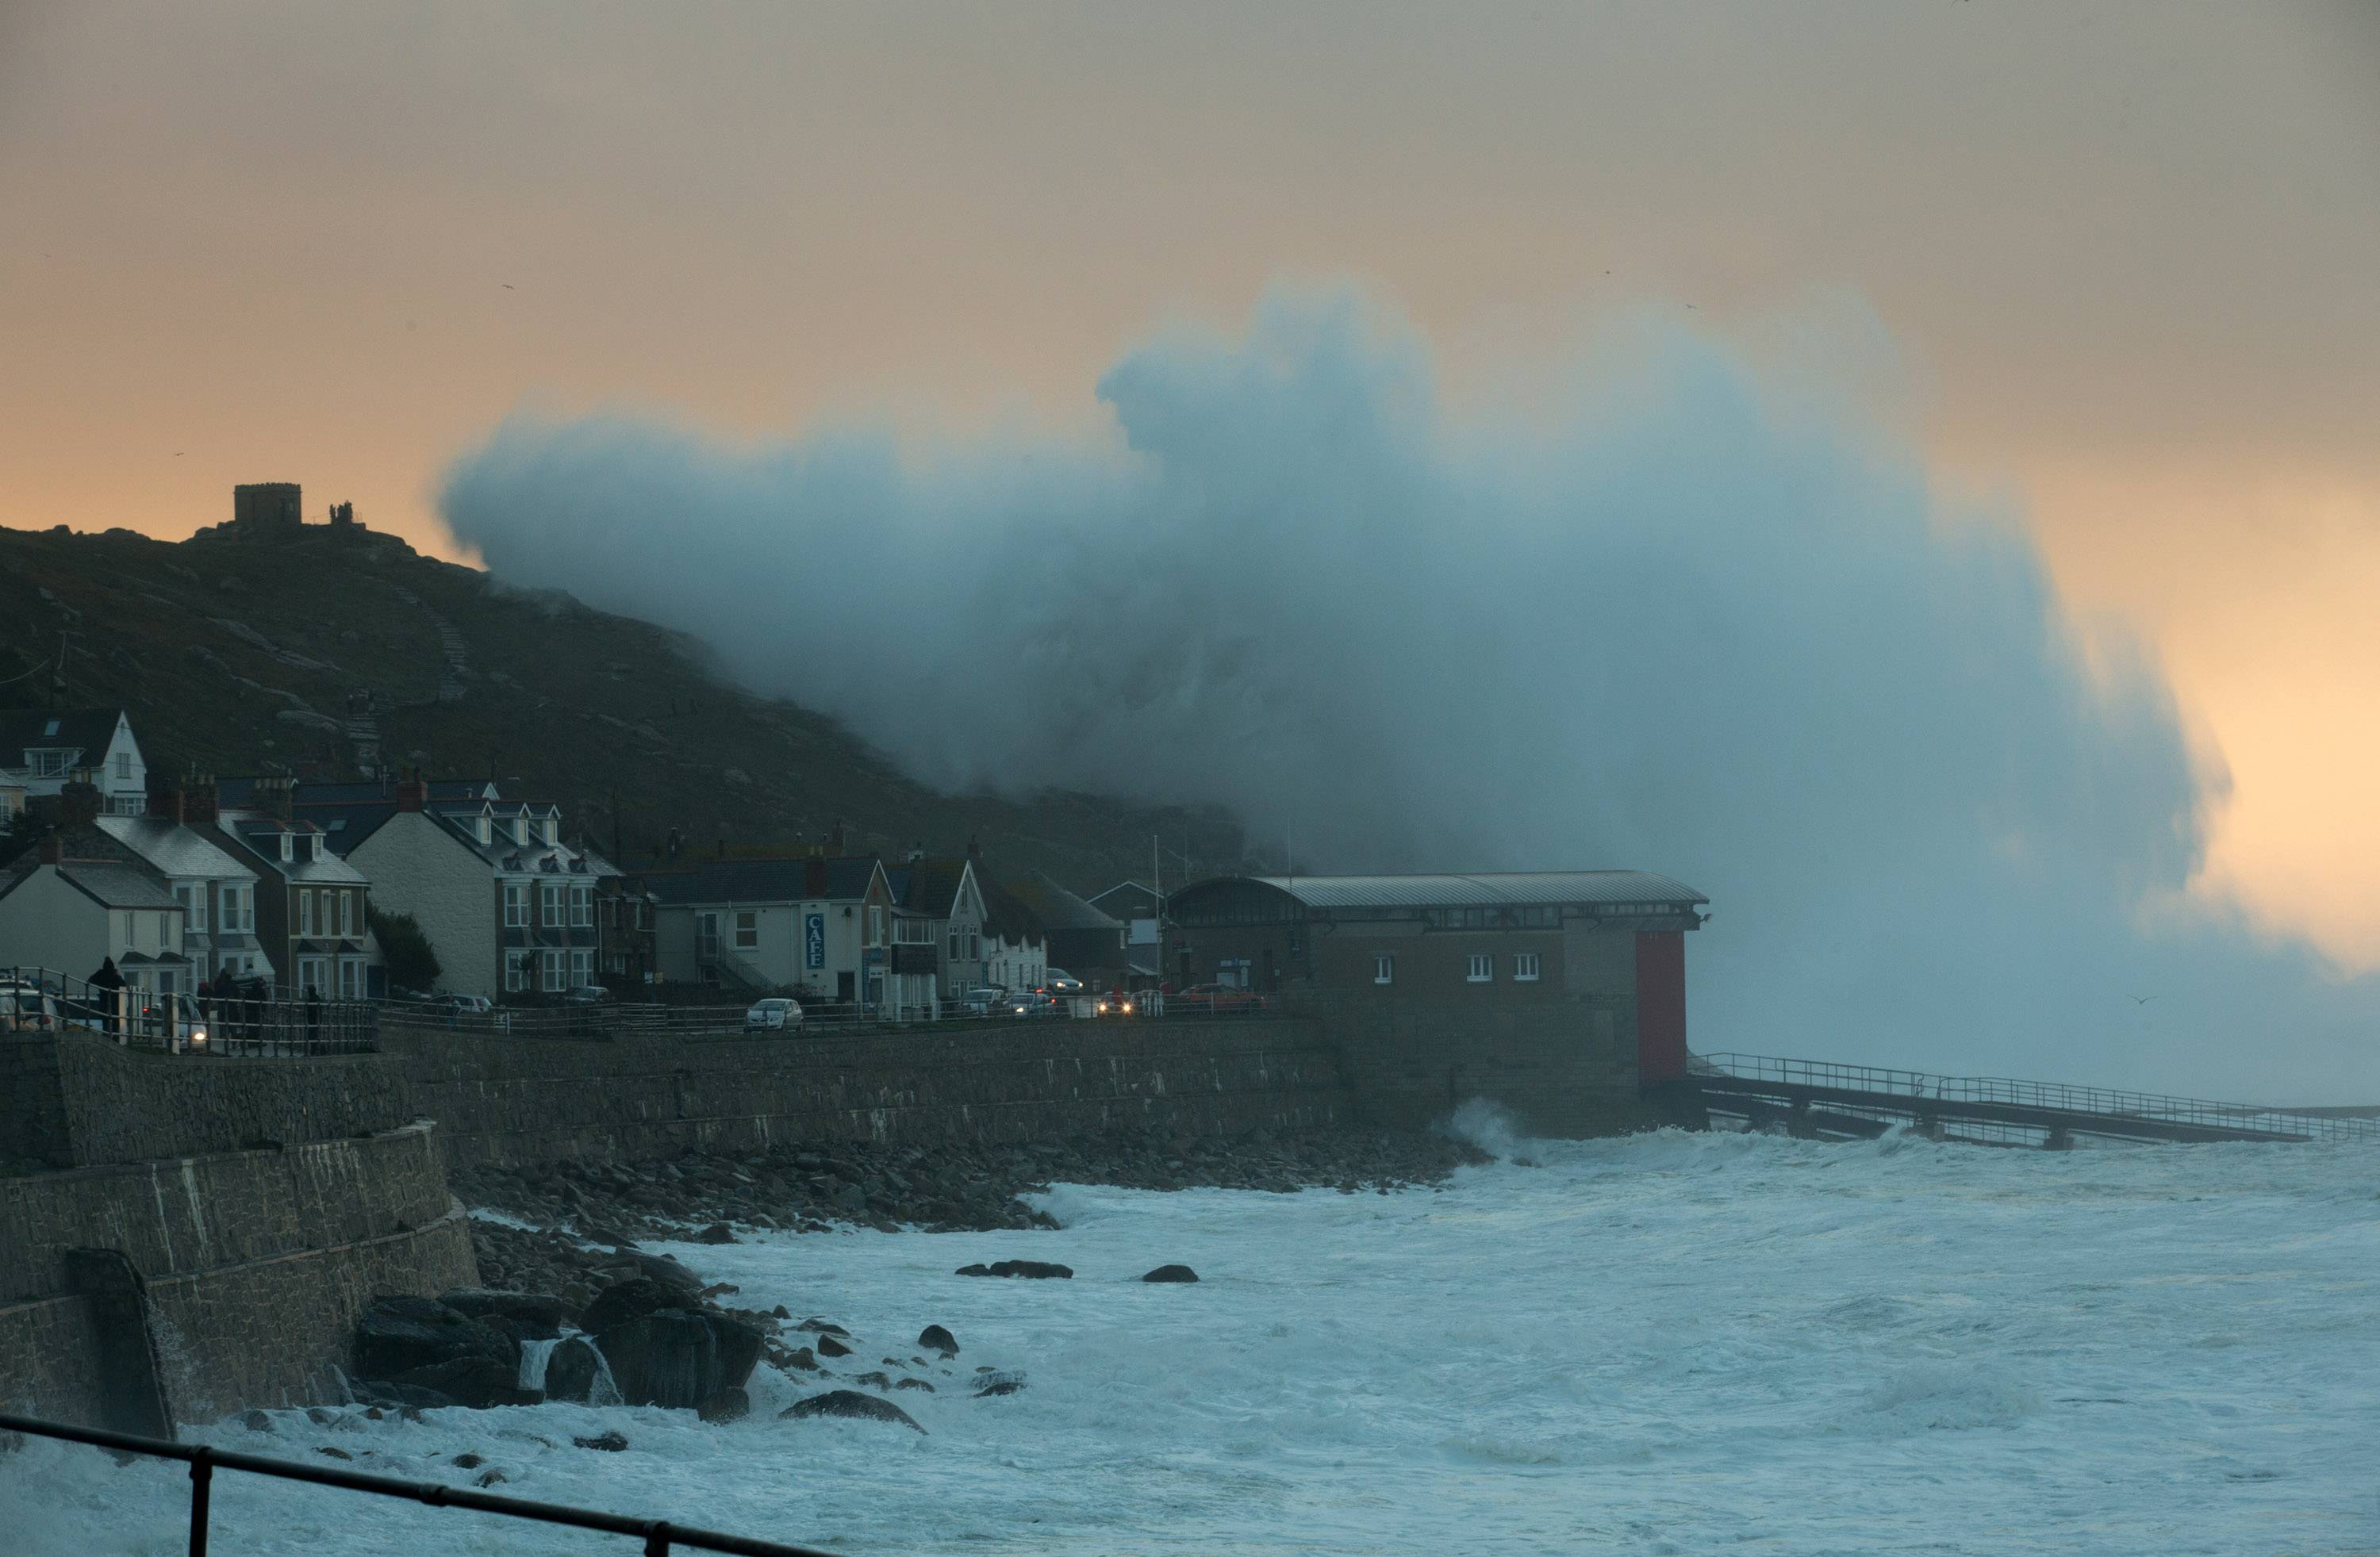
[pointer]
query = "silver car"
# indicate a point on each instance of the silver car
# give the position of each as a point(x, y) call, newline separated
point(775, 1014)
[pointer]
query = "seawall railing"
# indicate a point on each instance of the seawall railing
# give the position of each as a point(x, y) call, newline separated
point(660, 1536)
point(255, 1021)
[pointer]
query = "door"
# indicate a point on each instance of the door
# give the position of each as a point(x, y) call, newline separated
point(705, 937)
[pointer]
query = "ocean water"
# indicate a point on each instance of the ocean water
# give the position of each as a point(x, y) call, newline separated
point(1669, 1343)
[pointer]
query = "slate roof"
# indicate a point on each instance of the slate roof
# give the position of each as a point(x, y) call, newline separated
point(261, 835)
point(172, 847)
point(926, 887)
point(1059, 909)
point(88, 729)
point(111, 885)
point(1003, 915)
point(1486, 889)
point(845, 878)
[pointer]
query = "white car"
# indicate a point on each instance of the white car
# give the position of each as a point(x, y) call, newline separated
point(775, 1014)
point(1064, 984)
point(27, 1008)
point(174, 1018)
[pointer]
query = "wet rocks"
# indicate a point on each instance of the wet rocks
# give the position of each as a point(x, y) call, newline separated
point(912, 1384)
point(571, 1370)
point(876, 1381)
point(728, 1406)
point(1034, 1270)
point(678, 1356)
point(397, 1334)
point(718, 1232)
point(467, 1462)
point(533, 1316)
point(609, 1443)
point(934, 1338)
point(849, 1403)
point(1172, 1273)
point(829, 1346)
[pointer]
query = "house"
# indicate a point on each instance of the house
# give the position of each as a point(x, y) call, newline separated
point(42, 749)
point(310, 906)
point(940, 906)
point(821, 925)
point(627, 913)
point(1136, 905)
point(506, 905)
point(1015, 953)
point(215, 890)
point(1078, 936)
point(69, 915)
point(1610, 941)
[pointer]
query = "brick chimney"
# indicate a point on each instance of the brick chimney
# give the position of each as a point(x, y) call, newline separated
point(838, 842)
point(78, 803)
point(273, 796)
point(199, 802)
point(165, 798)
point(54, 848)
point(413, 792)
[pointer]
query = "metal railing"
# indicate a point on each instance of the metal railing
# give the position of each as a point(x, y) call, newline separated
point(659, 1535)
point(263, 1026)
point(1919, 1086)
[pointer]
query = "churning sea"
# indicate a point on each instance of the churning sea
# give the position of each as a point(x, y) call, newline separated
point(1668, 1343)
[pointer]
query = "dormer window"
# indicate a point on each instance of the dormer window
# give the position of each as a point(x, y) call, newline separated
point(313, 847)
point(521, 829)
point(553, 829)
point(480, 825)
point(288, 846)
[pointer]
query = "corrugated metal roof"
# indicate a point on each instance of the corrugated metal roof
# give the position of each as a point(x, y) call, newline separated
point(1482, 889)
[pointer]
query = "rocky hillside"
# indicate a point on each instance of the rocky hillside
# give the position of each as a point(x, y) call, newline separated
point(237, 656)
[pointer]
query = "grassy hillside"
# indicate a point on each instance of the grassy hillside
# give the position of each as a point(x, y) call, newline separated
point(242, 657)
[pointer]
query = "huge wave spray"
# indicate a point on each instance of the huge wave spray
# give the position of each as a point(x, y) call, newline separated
point(1684, 613)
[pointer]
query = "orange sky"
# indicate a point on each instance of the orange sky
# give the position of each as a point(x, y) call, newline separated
point(2131, 254)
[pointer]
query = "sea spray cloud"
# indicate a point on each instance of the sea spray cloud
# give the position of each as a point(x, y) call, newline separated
point(1685, 615)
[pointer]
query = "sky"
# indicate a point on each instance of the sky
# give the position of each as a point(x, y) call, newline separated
point(2110, 273)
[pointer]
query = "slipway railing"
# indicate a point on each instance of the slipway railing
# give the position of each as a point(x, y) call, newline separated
point(2010, 1101)
point(659, 1535)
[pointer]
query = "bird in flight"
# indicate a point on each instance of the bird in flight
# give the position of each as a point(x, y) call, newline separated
point(508, 286)
point(2140, 1000)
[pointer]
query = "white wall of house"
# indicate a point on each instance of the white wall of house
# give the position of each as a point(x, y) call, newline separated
point(416, 867)
point(46, 922)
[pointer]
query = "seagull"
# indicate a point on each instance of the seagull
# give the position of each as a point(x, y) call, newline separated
point(508, 286)
point(2140, 1000)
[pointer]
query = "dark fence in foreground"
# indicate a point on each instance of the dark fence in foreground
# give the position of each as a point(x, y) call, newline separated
point(258, 1023)
point(601, 1021)
point(659, 1535)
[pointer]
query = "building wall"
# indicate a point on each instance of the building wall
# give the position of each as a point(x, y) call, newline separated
point(416, 868)
point(47, 924)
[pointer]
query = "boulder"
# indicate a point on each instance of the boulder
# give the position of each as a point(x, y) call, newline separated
point(397, 1334)
point(879, 1379)
point(630, 1300)
point(1037, 1270)
point(1000, 1386)
point(679, 1358)
point(609, 1443)
point(535, 1316)
point(829, 1346)
point(718, 1232)
point(849, 1403)
point(571, 1368)
point(402, 1397)
point(727, 1406)
point(937, 1339)
point(1172, 1273)
point(255, 1420)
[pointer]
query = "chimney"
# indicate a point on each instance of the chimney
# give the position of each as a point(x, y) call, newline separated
point(413, 792)
point(166, 801)
point(78, 803)
point(54, 848)
point(199, 802)
point(273, 796)
point(838, 842)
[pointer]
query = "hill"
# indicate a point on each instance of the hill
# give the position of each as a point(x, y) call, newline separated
point(304, 653)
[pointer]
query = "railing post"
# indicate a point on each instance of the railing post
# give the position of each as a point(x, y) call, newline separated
point(202, 1475)
point(657, 1538)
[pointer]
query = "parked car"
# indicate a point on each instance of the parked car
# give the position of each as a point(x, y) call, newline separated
point(585, 995)
point(776, 1014)
point(981, 1000)
point(176, 1019)
point(1059, 981)
point(467, 1004)
point(1115, 1002)
point(27, 1008)
point(1034, 1004)
point(1217, 999)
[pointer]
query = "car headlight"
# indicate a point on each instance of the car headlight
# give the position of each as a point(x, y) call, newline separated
point(1127, 1008)
point(199, 1036)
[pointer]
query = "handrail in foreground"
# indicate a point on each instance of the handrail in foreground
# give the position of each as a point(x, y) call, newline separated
point(659, 1535)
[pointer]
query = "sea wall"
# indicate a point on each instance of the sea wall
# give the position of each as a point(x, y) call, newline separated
point(512, 1101)
point(246, 1270)
point(1559, 1068)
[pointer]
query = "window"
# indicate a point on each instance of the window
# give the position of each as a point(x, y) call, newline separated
point(582, 905)
point(480, 826)
point(549, 904)
point(314, 974)
point(956, 938)
point(346, 913)
point(125, 805)
point(514, 979)
point(1524, 967)
point(582, 965)
point(306, 911)
point(49, 765)
point(552, 970)
point(748, 929)
point(516, 905)
point(975, 947)
point(288, 846)
point(1384, 967)
point(351, 978)
point(124, 765)
point(875, 924)
point(553, 829)
point(230, 918)
point(1483, 968)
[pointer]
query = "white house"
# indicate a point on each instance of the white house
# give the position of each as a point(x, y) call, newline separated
point(215, 891)
point(69, 915)
point(42, 749)
point(823, 927)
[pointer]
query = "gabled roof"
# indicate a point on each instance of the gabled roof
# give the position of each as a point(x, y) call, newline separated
point(926, 887)
point(260, 836)
point(343, 827)
point(1003, 915)
point(174, 848)
point(109, 884)
point(87, 729)
point(1059, 909)
point(1485, 890)
point(845, 878)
